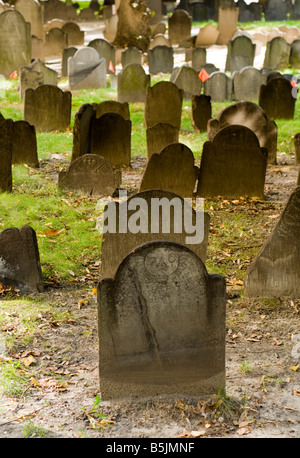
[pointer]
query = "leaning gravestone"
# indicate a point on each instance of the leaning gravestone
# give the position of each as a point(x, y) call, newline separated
point(19, 260)
point(275, 270)
point(294, 60)
point(160, 59)
point(163, 104)
point(233, 165)
point(15, 42)
point(159, 136)
point(107, 51)
point(132, 84)
point(48, 108)
point(247, 82)
point(86, 69)
point(248, 114)
point(277, 54)
point(185, 355)
point(219, 87)
point(91, 174)
point(240, 53)
point(276, 99)
point(173, 169)
point(186, 78)
point(207, 36)
point(111, 138)
point(179, 26)
point(165, 210)
point(24, 144)
point(201, 112)
point(6, 136)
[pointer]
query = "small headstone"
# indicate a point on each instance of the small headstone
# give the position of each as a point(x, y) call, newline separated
point(91, 174)
point(163, 104)
point(159, 40)
point(173, 169)
point(233, 165)
point(160, 59)
point(107, 51)
point(159, 136)
point(75, 35)
point(240, 53)
point(297, 148)
point(131, 55)
point(276, 99)
point(6, 136)
point(24, 144)
point(219, 87)
point(67, 52)
point(186, 78)
point(111, 138)
point(48, 108)
point(19, 260)
point(247, 82)
point(198, 58)
point(201, 112)
point(227, 24)
point(132, 84)
point(277, 54)
point(179, 26)
point(275, 270)
point(248, 114)
point(56, 40)
point(86, 69)
point(182, 356)
point(294, 60)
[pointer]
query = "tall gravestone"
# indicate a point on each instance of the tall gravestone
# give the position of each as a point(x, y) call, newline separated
point(144, 353)
point(219, 87)
point(276, 99)
point(201, 112)
point(132, 84)
point(277, 54)
point(240, 53)
point(275, 270)
point(179, 26)
point(227, 23)
point(86, 69)
point(48, 108)
point(19, 260)
point(246, 83)
point(232, 165)
point(173, 169)
point(6, 135)
point(163, 104)
point(15, 42)
point(160, 60)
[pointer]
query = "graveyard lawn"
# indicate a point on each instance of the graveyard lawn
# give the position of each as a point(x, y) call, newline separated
point(49, 344)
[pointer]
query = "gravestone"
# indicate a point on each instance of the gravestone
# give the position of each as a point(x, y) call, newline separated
point(111, 106)
point(6, 136)
point(275, 10)
point(297, 148)
point(240, 53)
point(246, 83)
point(67, 52)
point(132, 84)
point(86, 15)
point(75, 35)
point(15, 42)
point(105, 50)
point(35, 74)
point(111, 138)
point(276, 99)
point(227, 24)
point(48, 108)
point(24, 144)
point(160, 60)
point(275, 270)
point(179, 26)
point(56, 40)
point(209, 68)
point(91, 174)
point(159, 40)
point(159, 136)
point(233, 164)
point(207, 36)
point(81, 131)
point(198, 58)
point(131, 55)
point(277, 54)
point(248, 114)
point(294, 60)
point(163, 104)
point(201, 112)
point(249, 12)
point(86, 69)
point(19, 260)
point(185, 355)
point(199, 11)
point(32, 12)
point(173, 169)
point(219, 87)
point(54, 9)
point(186, 78)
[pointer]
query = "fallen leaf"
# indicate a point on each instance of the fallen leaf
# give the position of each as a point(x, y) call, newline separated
point(245, 430)
point(28, 360)
point(294, 368)
point(277, 342)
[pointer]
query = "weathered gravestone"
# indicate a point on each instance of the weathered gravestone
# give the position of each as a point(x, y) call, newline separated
point(131, 55)
point(112, 106)
point(276, 99)
point(240, 53)
point(111, 138)
point(67, 52)
point(92, 174)
point(248, 114)
point(201, 112)
point(219, 87)
point(163, 215)
point(249, 12)
point(160, 60)
point(173, 169)
point(198, 58)
point(132, 84)
point(207, 36)
point(24, 144)
point(233, 165)
point(15, 42)
point(35, 74)
point(54, 9)
point(227, 24)
point(297, 148)
point(186, 78)
point(247, 82)
point(48, 108)
point(19, 260)
point(86, 69)
point(179, 26)
point(275, 270)
point(295, 54)
point(32, 12)
point(144, 353)
point(277, 54)
point(56, 40)
point(6, 135)
point(275, 10)
point(159, 136)
point(75, 35)
point(163, 104)
point(107, 51)
point(159, 40)
point(199, 11)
